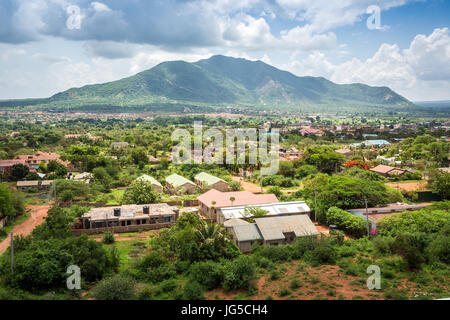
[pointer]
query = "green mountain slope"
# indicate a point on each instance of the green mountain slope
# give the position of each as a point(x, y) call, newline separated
point(223, 81)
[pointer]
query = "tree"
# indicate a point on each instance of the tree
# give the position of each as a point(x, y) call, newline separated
point(19, 171)
point(117, 287)
point(343, 192)
point(239, 273)
point(141, 192)
point(6, 205)
point(254, 212)
point(440, 183)
point(139, 155)
point(325, 160)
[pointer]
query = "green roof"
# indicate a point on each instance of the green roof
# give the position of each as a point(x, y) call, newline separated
point(177, 181)
point(149, 179)
point(207, 178)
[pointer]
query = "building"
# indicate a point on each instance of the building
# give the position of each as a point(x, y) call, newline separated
point(84, 176)
point(34, 160)
point(273, 209)
point(375, 214)
point(291, 154)
point(204, 179)
point(387, 171)
point(311, 132)
point(130, 217)
point(213, 200)
point(6, 165)
point(119, 145)
point(273, 231)
point(345, 152)
point(36, 184)
point(155, 183)
point(176, 184)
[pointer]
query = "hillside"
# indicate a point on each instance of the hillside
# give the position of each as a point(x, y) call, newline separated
point(219, 82)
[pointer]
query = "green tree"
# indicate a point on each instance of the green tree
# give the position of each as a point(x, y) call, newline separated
point(440, 183)
point(19, 171)
point(117, 287)
point(6, 205)
point(141, 192)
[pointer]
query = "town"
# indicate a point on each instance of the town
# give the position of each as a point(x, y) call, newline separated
point(350, 192)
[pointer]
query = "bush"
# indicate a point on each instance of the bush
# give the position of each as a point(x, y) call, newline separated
point(208, 274)
point(193, 291)
point(295, 284)
point(108, 238)
point(324, 254)
point(115, 288)
point(155, 268)
point(353, 225)
point(284, 292)
point(239, 273)
point(409, 247)
point(303, 245)
point(274, 253)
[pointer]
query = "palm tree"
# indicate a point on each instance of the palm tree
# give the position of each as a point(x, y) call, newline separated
point(232, 200)
point(210, 233)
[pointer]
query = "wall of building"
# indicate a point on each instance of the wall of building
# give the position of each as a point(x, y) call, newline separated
point(131, 228)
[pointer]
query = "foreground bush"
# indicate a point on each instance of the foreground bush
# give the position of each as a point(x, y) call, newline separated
point(115, 288)
point(208, 274)
point(239, 273)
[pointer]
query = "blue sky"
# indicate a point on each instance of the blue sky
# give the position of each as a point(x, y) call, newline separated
point(47, 46)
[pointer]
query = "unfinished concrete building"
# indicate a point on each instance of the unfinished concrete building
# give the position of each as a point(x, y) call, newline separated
point(130, 217)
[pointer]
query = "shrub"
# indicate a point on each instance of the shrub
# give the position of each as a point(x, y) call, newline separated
point(353, 225)
point(155, 268)
point(324, 254)
point(274, 253)
point(108, 238)
point(439, 249)
point(303, 245)
point(239, 273)
point(295, 284)
point(115, 288)
point(193, 291)
point(409, 247)
point(208, 274)
point(284, 292)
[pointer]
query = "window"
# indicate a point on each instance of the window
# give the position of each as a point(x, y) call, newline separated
point(167, 219)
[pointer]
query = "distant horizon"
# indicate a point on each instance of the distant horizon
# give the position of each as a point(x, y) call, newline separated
point(48, 46)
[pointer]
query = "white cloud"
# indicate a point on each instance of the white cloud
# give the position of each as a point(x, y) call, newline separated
point(423, 67)
point(100, 7)
point(324, 15)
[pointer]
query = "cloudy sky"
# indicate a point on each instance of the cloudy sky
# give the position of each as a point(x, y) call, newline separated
point(47, 46)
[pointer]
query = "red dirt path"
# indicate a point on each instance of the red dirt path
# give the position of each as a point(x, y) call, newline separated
point(38, 213)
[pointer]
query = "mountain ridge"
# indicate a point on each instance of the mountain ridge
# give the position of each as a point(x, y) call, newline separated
point(223, 81)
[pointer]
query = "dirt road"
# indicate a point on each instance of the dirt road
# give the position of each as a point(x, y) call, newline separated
point(38, 213)
point(248, 186)
point(408, 186)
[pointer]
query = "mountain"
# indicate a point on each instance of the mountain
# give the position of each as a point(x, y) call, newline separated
point(221, 81)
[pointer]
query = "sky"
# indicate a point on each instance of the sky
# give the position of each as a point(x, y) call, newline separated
point(48, 46)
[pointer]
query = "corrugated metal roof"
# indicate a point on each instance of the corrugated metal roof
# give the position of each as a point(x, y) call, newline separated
point(247, 232)
point(149, 179)
point(274, 209)
point(207, 178)
point(273, 228)
point(177, 181)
